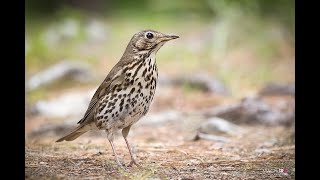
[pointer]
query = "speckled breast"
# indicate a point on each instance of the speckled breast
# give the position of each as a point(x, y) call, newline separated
point(131, 101)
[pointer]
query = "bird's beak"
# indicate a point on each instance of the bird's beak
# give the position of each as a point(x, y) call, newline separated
point(169, 37)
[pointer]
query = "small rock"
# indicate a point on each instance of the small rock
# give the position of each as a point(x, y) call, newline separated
point(62, 70)
point(52, 129)
point(217, 146)
point(69, 104)
point(255, 110)
point(211, 138)
point(203, 82)
point(269, 143)
point(160, 118)
point(217, 125)
point(43, 163)
point(278, 89)
point(263, 151)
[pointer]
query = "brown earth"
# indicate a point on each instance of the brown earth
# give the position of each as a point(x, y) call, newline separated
point(166, 150)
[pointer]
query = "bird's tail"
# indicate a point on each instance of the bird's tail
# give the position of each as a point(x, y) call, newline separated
point(74, 134)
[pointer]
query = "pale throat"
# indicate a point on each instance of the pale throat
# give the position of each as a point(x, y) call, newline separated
point(153, 53)
point(153, 57)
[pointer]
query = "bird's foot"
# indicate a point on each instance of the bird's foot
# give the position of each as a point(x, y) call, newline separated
point(133, 162)
point(120, 166)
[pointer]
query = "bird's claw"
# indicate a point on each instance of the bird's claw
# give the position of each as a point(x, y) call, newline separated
point(135, 163)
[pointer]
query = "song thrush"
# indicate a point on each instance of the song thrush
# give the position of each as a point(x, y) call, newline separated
point(126, 93)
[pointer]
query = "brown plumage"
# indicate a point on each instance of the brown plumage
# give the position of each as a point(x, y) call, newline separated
point(127, 92)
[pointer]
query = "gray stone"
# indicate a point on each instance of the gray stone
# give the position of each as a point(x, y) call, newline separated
point(62, 70)
point(51, 129)
point(263, 151)
point(160, 118)
point(212, 137)
point(68, 104)
point(203, 82)
point(217, 125)
point(278, 89)
point(255, 110)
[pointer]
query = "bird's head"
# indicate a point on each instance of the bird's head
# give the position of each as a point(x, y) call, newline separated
point(149, 41)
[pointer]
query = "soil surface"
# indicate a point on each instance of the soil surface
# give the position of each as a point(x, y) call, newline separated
point(166, 150)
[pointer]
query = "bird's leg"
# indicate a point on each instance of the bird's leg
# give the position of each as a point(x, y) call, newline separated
point(115, 153)
point(125, 132)
point(133, 161)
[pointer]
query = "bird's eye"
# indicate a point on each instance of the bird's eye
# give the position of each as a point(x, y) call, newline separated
point(149, 35)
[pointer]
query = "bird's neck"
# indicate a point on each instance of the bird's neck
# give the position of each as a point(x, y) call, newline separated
point(132, 54)
point(149, 54)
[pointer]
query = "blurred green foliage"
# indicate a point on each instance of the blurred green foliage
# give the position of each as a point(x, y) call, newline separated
point(246, 43)
point(283, 10)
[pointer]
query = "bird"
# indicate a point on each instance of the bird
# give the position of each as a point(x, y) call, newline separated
point(126, 93)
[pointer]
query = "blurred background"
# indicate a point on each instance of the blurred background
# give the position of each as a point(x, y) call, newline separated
point(234, 60)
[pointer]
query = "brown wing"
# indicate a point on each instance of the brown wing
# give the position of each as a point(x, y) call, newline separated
point(95, 99)
point(106, 85)
point(102, 90)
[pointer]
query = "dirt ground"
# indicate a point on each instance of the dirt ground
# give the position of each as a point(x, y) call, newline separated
point(163, 155)
point(165, 151)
